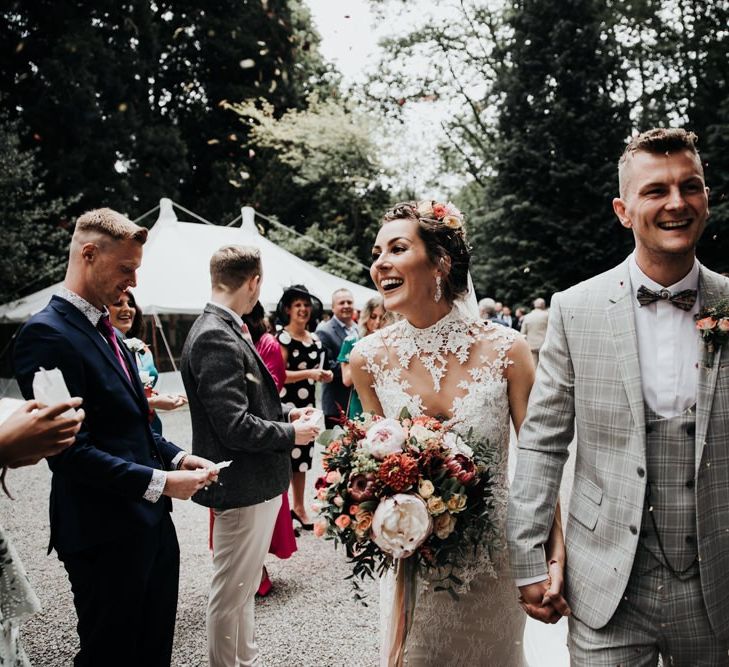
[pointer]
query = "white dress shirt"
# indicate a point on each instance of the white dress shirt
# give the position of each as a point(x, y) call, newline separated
point(668, 348)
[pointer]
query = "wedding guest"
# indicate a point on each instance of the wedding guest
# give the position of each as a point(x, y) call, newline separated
point(303, 353)
point(509, 319)
point(25, 438)
point(487, 311)
point(335, 395)
point(534, 327)
point(237, 416)
point(520, 313)
point(111, 490)
point(371, 319)
point(283, 541)
point(127, 317)
point(640, 395)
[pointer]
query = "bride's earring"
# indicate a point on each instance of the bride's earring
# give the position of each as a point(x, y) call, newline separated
point(438, 291)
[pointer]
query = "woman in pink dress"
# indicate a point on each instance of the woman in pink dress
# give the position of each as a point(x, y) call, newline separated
point(283, 542)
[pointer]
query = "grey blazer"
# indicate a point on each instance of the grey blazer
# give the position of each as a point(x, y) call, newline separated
point(589, 377)
point(236, 413)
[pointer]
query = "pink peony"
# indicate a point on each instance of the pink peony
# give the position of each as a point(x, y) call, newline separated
point(334, 477)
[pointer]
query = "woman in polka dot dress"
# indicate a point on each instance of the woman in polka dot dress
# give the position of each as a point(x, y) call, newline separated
point(298, 311)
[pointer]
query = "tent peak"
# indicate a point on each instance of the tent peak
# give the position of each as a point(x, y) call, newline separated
point(166, 211)
point(248, 221)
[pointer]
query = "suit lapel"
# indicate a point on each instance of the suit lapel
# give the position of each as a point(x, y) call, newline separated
point(79, 321)
point(248, 344)
point(621, 320)
point(710, 295)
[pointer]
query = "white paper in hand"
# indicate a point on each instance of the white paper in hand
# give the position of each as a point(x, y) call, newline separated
point(49, 388)
point(221, 465)
point(315, 418)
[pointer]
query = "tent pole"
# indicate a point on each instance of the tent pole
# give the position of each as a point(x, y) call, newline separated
point(158, 324)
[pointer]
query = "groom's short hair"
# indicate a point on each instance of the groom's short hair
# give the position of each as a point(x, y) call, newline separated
point(106, 222)
point(656, 141)
point(232, 265)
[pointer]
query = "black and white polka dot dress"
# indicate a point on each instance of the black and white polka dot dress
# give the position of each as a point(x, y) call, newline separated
point(301, 394)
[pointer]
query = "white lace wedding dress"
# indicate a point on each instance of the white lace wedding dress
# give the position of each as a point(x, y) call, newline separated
point(455, 369)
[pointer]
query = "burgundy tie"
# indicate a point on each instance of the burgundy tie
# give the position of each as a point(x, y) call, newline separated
point(107, 331)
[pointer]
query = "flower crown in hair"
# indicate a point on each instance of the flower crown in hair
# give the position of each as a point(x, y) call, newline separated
point(446, 214)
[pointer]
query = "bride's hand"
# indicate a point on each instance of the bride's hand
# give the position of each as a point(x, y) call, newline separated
point(554, 594)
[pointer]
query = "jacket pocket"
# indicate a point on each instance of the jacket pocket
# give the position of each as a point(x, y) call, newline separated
point(585, 502)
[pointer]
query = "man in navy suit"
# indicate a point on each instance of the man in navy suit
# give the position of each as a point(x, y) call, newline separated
point(111, 489)
point(335, 394)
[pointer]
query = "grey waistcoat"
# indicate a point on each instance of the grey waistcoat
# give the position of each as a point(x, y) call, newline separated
point(670, 504)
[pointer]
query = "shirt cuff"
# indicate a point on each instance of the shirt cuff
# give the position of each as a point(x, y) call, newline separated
point(530, 580)
point(175, 465)
point(156, 486)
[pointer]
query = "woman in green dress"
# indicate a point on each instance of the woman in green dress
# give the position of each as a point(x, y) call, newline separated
point(371, 319)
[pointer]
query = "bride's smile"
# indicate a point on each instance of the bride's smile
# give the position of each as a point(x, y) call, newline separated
point(405, 275)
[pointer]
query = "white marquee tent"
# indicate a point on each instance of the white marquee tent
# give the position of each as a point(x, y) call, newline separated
point(174, 277)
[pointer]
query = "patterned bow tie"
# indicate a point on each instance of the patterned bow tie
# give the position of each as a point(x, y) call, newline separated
point(684, 300)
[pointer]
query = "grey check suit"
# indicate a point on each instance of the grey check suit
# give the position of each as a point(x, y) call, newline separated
point(589, 378)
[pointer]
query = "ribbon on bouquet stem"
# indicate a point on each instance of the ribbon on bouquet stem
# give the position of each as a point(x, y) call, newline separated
point(403, 609)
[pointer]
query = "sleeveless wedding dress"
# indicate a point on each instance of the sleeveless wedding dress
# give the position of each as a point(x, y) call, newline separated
point(461, 361)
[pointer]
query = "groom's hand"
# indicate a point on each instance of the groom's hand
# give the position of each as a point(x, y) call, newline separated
point(533, 600)
point(554, 595)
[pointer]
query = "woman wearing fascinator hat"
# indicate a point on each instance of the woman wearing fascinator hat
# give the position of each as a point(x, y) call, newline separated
point(299, 311)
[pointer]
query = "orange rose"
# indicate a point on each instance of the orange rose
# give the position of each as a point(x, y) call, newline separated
point(343, 521)
point(320, 527)
point(363, 523)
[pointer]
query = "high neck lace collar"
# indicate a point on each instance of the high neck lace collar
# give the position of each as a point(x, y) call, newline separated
point(452, 334)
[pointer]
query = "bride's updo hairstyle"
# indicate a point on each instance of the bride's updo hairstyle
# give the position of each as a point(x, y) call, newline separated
point(440, 226)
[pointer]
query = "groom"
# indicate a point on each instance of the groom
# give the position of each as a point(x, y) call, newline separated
point(648, 533)
point(237, 415)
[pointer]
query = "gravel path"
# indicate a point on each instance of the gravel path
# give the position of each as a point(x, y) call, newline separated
point(308, 619)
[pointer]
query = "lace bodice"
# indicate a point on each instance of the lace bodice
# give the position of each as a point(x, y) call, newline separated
point(460, 364)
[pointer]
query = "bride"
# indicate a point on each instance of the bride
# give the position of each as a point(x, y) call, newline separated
point(440, 359)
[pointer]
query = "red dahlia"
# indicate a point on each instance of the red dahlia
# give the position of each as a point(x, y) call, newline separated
point(399, 472)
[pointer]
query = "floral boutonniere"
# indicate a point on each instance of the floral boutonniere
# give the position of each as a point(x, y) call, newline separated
point(713, 325)
point(135, 345)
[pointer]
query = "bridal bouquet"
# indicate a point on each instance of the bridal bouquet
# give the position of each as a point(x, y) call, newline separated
point(408, 488)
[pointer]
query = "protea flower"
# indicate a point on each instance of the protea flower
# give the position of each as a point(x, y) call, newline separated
point(462, 468)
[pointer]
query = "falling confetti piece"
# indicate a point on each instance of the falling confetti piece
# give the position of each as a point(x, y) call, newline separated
point(245, 175)
point(19, 47)
point(211, 142)
point(527, 269)
point(251, 153)
point(247, 63)
point(232, 137)
point(235, 184)
point(122, 107)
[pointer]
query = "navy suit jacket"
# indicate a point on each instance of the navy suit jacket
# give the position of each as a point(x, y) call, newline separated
point(98, 483)
point(334, 394)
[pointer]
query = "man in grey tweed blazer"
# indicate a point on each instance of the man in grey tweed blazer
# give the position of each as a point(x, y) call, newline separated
point(648, 531)
point(237, 416)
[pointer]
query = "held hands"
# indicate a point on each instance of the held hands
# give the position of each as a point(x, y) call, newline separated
point(544, 600)
point(26, 436)
point(320, 375)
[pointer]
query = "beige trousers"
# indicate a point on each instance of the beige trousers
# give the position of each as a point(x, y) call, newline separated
point(241, 538)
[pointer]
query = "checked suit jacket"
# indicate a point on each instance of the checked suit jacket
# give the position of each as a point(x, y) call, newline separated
point(589, 380)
